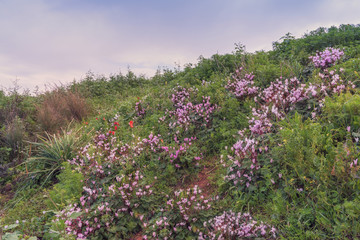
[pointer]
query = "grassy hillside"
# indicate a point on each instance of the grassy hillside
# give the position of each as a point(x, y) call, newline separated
point(260, 145)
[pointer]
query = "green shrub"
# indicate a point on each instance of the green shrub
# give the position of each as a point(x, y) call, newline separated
point(50, 154)
point(67, 190)
point(14, 135)
point(4, 154)
point(314, 175)
point(29, 216)
point(342, 111)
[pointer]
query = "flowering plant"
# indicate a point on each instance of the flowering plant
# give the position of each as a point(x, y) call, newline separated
point(187, 112)
point(232, 225)
point(327, 58)
point(182, 216)
point(272, 104)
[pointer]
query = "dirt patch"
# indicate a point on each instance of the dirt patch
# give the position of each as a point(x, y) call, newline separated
point(138, 236)
point(203, 181)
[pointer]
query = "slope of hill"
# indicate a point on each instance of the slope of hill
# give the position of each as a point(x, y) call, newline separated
point(258, 145)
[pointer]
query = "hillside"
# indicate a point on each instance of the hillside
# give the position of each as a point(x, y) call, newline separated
point(260, 145)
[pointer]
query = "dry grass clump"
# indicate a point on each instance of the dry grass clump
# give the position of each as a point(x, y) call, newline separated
point(59, 107)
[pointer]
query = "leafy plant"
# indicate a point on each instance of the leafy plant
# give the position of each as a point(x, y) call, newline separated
point(68, 189)
point(13, 135)
point(59, 107)
point(50, 154)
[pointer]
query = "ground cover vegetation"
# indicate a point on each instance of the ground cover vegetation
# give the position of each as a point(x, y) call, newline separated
point(260, 145)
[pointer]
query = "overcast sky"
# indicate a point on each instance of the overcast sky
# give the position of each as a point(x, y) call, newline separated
point(57, 41)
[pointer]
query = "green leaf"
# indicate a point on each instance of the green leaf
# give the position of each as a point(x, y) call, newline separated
point(12, 226)
point(131, 225)
point(74, 215)
point(11, 236)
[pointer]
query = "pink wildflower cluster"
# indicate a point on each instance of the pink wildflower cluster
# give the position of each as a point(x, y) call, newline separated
point(232, 225)
point(261, 122)
point(354, 164)
point(282, 96)
point(240, 172)
point(100, 157)
point(181, 95)
point(179, 154)
point(327, 58)
point(104, 207)
point(181, 214)
point(152, 141)
point(119, 200)
point(187, 112)
point(242, 85)
point(273, 103)
point(332, 83)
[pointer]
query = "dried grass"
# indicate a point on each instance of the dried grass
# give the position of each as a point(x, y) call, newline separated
point(59, 107)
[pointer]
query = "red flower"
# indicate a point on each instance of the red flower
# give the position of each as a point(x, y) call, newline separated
point(131, 123)
point(113, 133)
point(115, 127)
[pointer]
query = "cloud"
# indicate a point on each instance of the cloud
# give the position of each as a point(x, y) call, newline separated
point(50, 41)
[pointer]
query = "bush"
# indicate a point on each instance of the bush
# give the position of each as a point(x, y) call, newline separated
point(50, 154)
point(342, 111)
point(28, 216)
point(59, 107)
point(317, 178)
point(13, 136)
point(68, 189)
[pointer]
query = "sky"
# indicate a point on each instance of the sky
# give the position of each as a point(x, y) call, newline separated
point(46, 42)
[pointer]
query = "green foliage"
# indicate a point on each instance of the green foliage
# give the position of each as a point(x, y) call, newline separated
point(68, 189)
point(351, 70)
point(50, 154)
point(5, 154)
point(206, 68)
point(14, 135)
point(100, 87)
point(342, 111)
point(308, 184)
point(231, 117)
point(313, 177)
point(29, 217)
point(319, 39)
point(16, 236)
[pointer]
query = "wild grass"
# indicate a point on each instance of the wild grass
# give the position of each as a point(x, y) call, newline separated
point(50, 152)
point(59, 107)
